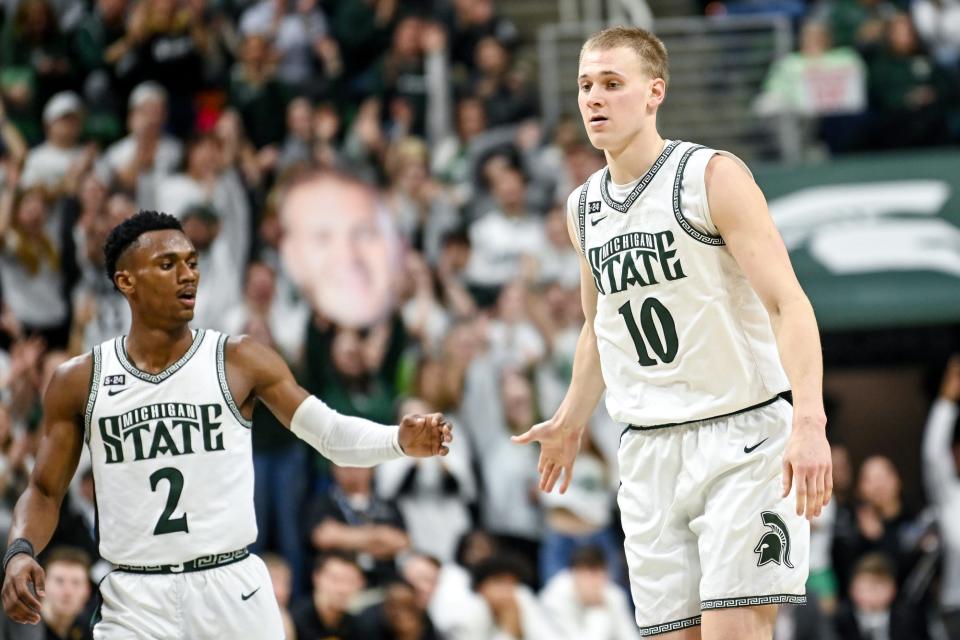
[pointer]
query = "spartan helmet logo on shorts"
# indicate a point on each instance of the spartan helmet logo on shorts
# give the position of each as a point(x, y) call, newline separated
point(774, 545)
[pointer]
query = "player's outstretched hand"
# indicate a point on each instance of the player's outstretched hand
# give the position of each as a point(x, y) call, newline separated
point(23, 589)
point(425, 436)
point(559, 445)
point(807, 465)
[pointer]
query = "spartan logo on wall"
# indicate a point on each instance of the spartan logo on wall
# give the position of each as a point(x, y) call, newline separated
point(774, 545)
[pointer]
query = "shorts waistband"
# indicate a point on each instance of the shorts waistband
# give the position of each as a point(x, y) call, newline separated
point(197, 564)
point(785, 395)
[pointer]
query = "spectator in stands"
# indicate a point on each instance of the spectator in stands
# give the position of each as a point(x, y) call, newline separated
point(219, 260)
point(281, 579)
point(14, 453)
point(170, 41)
point(30, 254)
point(67, 587)
point(858, 23)
point(873, 611)
point(514, 340)
point(337, 579)
point(256, 92)
point(908, 93)
point(138, 161)
point(399, 617)
point(503, 236)
point(297, 146)
point(882, 518)
point(60, 158)
point(100, 312)
point(505, 91)
point(363, 28)
point(469, 22)
point(422, 572)
point(822, 82)
point(297, 30)
point(32, 47)
point(940, 464)
point(351, 517)
point(938, 23)
point(506, 607)
point(423, 213)
point(510, 503)
point(584, 602)
point(105, 56)
point(582, 517)
point(433, 498)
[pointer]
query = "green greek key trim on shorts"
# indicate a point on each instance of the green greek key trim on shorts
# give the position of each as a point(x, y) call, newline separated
point(667, 627)
point(120, 346)
point(714, 241)
point(753, 601)
point(224, 386)
point(92, 392)
point(624, 206)
point(582, 216)
point(197, 564)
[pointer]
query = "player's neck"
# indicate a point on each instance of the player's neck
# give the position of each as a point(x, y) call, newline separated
point(635, 158)
point(153, 349)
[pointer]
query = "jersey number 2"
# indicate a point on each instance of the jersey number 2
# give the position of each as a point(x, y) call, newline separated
point(646, 333)
point(166, 524)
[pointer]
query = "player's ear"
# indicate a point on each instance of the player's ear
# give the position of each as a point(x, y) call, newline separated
point(125, 281)
point(658, 91)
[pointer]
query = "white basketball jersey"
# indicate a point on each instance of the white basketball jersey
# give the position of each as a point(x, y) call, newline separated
point(682, 335)
point(172, 459)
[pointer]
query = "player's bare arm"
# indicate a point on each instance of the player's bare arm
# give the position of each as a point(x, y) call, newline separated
point(739, 211)
point(560, 436)
point(255, 371)
point(38, 509)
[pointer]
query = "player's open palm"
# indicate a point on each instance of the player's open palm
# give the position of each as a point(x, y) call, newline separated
point(558, 450)
point(23, 589)
point(808, 467)
point(424, 436)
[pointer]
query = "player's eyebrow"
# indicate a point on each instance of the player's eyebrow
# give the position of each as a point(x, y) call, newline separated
point(605, 72)
point(173, 255)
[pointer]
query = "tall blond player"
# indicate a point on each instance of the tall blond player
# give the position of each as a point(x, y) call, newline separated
point(708, 350)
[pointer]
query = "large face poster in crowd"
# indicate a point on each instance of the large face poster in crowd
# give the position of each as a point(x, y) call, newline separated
point(340, 248)
point(875, 241)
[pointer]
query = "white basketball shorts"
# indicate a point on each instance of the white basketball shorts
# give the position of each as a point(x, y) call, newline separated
point(232, 602)
point(704, 522)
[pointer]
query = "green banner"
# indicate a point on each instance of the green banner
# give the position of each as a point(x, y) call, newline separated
point(875, 240)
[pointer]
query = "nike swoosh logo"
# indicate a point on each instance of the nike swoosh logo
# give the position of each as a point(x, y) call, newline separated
point(113, 392)
point(595, 222)
point(249, 595)
point(750, 449)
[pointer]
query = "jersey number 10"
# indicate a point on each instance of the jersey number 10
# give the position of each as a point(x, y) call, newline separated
point(646, 333)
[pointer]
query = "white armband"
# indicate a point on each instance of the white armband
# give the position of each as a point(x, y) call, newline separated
point(346, 440)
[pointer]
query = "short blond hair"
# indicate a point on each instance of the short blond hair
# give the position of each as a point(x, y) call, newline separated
point(647, 46)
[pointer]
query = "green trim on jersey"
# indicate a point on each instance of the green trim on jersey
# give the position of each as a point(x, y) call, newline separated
point(667, 627)
point(120, 346)
point(582, 216)
point(624, 206)
point(753, 601)
point(705, 238)
point(92, 392)
point(224, 386)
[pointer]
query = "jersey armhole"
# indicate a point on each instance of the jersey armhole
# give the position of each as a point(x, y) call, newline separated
point(705, 201)
point(224, 385)
point(92, 390)
point(580, 219)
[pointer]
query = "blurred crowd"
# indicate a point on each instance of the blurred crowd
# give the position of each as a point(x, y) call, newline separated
point(869, 74)
point(372, 193)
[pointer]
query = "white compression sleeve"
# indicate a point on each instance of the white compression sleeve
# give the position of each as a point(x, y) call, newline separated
point(346, 440)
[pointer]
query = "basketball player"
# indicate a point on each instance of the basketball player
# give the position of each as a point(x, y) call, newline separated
point(166, 413)
point(697, 328)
